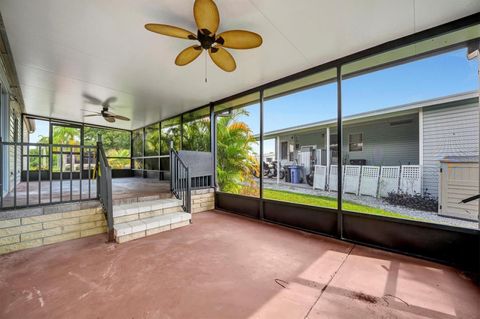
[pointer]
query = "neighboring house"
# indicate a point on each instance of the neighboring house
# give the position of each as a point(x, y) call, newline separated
point(421, 133)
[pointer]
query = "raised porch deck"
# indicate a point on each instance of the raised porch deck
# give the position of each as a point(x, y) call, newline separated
point(39, 193)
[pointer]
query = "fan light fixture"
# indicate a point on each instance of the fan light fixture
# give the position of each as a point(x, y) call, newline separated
point(207, 19)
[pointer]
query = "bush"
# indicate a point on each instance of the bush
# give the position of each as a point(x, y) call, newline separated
point(425, 202)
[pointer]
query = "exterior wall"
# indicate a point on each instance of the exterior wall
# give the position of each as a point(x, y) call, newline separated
point(14, 135)
point(385, 144)
point(451, 130)
point(51, 224)
point(203, 200)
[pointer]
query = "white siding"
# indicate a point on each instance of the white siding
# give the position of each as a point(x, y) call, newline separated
point(447, 131)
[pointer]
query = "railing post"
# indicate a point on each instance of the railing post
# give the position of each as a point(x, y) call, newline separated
point(97, 163)
point(171, 166)
point(189, 192)
point(108, 180)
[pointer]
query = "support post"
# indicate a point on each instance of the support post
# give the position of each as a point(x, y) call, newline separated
point(328, 149)
point(277, 153)
point(340, 145)
point(213, 145)
point(261, 155)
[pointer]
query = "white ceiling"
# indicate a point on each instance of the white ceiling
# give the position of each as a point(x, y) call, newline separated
point(64, 48)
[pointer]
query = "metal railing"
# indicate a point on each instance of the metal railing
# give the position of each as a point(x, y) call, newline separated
point(35, 174)
point(180, 182)
point(104, 187)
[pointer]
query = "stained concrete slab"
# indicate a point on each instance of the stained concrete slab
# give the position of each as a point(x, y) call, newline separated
point(226, 266)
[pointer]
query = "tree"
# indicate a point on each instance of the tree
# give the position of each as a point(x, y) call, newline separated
point(236, 161)
point(196, 135)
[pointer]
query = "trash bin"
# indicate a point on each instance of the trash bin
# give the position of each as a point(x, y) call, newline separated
point(296, 174)
point(288, 173)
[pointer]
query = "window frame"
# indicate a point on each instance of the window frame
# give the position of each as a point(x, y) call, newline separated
point(359, 145)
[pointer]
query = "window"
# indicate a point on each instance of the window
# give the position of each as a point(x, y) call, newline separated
point(152, 147)
point(196, 130)
point(40, 133)
point(238, 159)
point(152, 140)
point(299, 116)
point(284, 151)
point(116, 144)
point(410, 167)
point(355, 142)
point(170, 130)
point(137, 141)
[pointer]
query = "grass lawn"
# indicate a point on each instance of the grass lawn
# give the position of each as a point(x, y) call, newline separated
point(323, 201)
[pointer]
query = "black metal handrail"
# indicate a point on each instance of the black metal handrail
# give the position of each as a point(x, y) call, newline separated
point(180, 182)
point(104, 187)
point(24, 180)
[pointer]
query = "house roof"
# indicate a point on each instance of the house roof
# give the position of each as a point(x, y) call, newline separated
point(381, 113)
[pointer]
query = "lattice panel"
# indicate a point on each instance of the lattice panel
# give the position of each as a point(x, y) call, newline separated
point(369, 180)
point(320, 177)
point(352, 179)
point(333, 179)
point(389, 178)
point(411, 179)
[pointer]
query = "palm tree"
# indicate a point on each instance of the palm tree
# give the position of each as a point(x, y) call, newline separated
point(236, 164)
point(196, 135)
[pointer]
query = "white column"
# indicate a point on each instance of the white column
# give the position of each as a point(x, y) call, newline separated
point(328, 148)
point(277, 154)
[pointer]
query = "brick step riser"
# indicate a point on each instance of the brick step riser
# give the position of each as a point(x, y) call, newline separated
point(130, 200)
point(146, 214)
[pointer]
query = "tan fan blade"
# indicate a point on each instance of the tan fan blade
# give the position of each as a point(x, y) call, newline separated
point(206, 16)
point(239, 39)
point(109, 119)
point(91, 115)
point(120, 117)
point(188, 55)
point(223, 59)
point(171, 31)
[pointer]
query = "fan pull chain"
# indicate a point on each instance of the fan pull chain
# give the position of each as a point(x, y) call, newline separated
point(206, 80)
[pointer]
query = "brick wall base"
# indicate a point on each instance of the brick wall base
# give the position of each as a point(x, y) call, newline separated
point(203, 200)
point(52, 224)
point(48, 228)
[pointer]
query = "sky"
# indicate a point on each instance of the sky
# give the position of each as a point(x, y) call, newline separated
point(428, 78)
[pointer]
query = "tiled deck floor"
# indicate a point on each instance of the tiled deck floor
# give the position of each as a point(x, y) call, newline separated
point(225, 266)
point(121, 188)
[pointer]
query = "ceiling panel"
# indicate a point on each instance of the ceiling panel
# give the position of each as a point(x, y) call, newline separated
point(65, 48)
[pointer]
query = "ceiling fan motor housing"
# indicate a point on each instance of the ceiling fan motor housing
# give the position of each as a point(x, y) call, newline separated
point(206, 39)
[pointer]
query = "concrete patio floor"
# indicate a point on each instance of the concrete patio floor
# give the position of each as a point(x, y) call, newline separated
point(226, 266)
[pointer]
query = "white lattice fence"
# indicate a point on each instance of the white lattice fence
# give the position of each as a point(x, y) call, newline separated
point(369, 180)
point(333, 177)
point(411, 179)
point(352, 179)
point(320, 177)
point(389, 177)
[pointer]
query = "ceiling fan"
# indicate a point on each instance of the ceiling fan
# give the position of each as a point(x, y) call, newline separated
point(108, 116)
point(207, 19)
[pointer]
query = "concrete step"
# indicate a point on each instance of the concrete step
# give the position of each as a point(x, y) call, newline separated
point(121, 199)
point(148, 226)
point(123, 210)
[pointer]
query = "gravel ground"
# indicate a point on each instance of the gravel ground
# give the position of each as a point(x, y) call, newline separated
point(373, 202)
